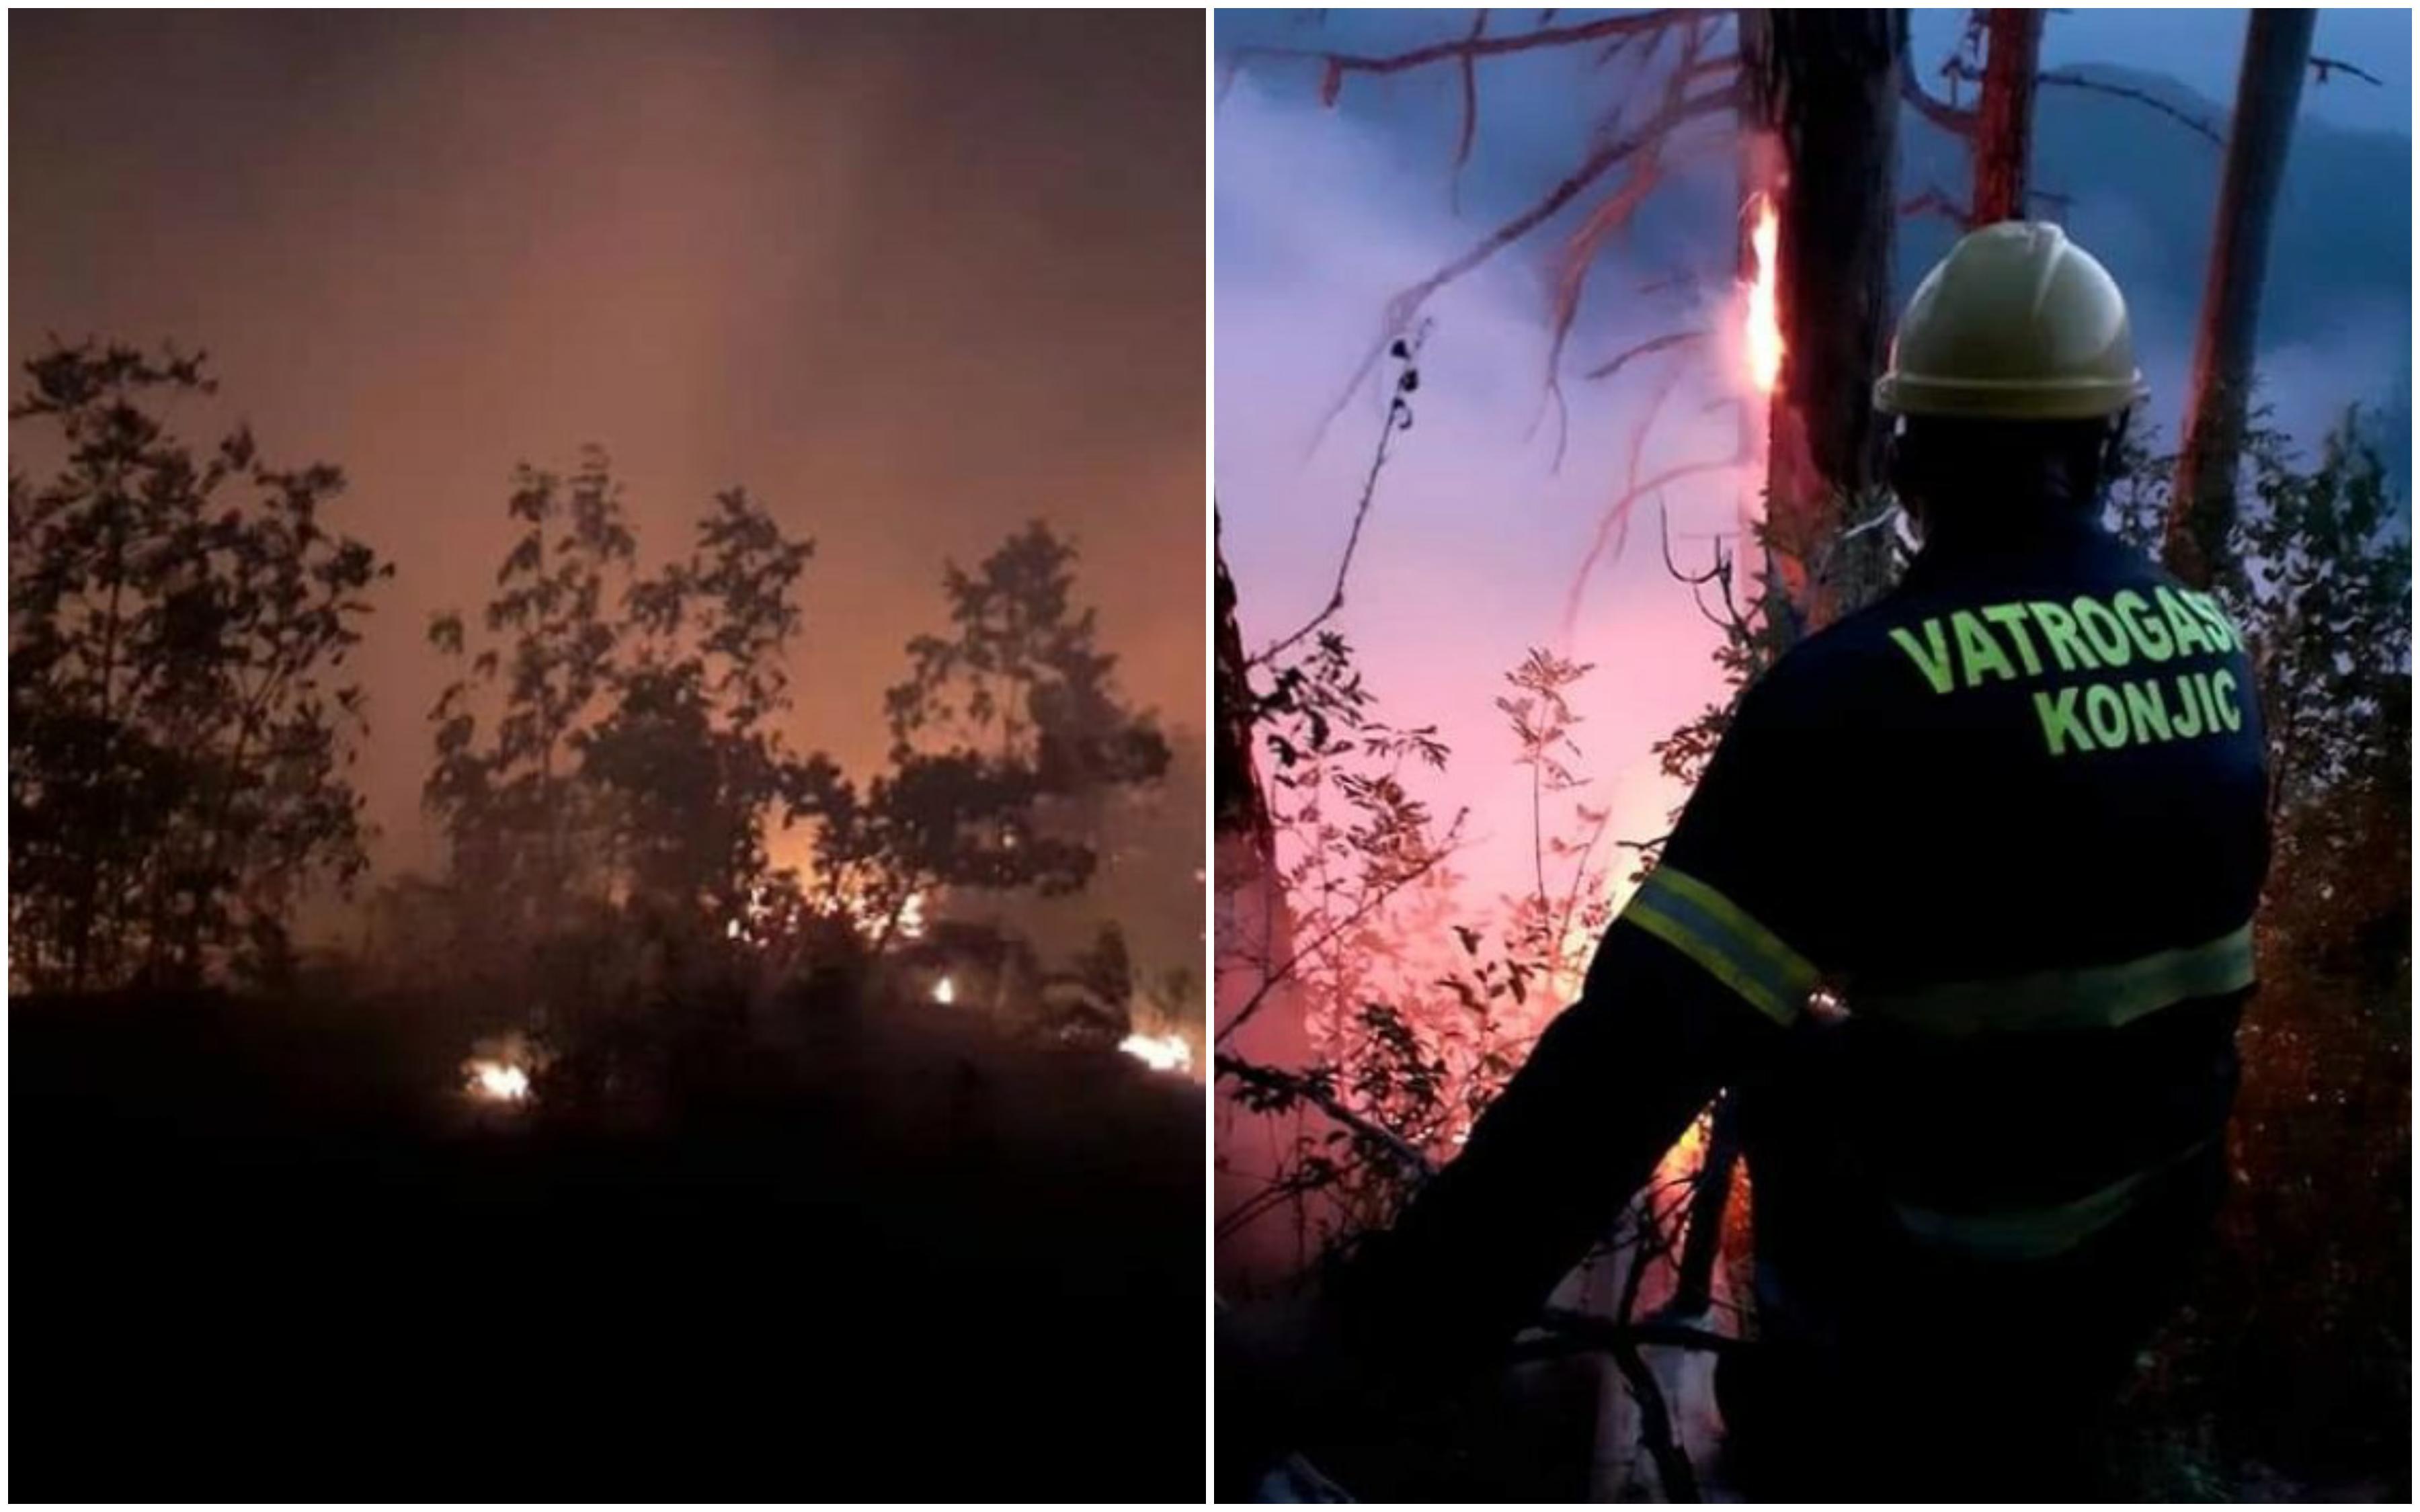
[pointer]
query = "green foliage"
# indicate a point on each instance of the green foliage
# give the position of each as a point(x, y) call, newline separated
point(178, 725)
point(2296, 1348)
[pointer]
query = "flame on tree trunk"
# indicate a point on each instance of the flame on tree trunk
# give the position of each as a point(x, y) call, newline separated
point(2276, 49)
point(1820, 124)
point(1820, 101)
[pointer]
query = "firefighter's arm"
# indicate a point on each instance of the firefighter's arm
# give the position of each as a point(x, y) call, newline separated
point(1613, 1083)
point(1691, 988)
point(1610, 1086)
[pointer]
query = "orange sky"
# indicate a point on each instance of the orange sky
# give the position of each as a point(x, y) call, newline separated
point(912, 280)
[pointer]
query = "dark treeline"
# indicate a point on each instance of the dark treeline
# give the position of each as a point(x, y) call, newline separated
point(620, 1130)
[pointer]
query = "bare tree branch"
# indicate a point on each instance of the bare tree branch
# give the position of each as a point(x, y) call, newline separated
point(1693, 579)
point(1271, 1079)
point(1672, 1468)
point(1367, 906)
point(1937, 201)
point(1469, 103)
point(1949, 118)
point(1586, 1330)
point(1406, 304)
point(1624, 358)
point(1685, 281)
point(1473, 46)
point(1399, 418)
point(2058, 203)
point(2323, 67)
point(2073, 80)
point(1619, 509)
point(1647, 171)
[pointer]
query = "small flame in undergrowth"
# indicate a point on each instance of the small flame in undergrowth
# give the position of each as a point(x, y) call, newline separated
point(498, 1071)
point(498, 1081)
point(944, 991)
point(1160, 1052)
point(1763, 335)
point(768, 917)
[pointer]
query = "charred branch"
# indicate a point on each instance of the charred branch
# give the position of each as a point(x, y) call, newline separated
point(1270, 1079)
point(1619, 511)
point(2192, 123)
point(1399, 418)
point(1468, 49)
point(1405, 306)
point(1647, 171)
point(1672, 1468)
point(2321, 68)
point(1568, 1332)
point(1469, 100)
point(1938, 201)
point(1693, 1291)
point(1663, 343)
point(1949, 118)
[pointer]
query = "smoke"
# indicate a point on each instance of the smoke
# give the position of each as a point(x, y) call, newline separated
point(1477, 536)
point(912, 280)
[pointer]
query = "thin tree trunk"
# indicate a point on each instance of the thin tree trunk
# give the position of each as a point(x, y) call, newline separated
point(1693, 1291)
point(2276, 49)
point(1241, 809)
point(2004, 129)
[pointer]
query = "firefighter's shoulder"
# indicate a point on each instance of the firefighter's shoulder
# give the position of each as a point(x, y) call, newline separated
point(1821, 685)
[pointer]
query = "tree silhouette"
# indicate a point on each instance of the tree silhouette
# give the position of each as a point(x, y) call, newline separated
point(1007, 736)
point(520, 821)
point(631, 767)
point(179, 731)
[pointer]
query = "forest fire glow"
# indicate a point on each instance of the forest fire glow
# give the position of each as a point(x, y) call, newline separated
point(1160, 1052)
point(1763, 335)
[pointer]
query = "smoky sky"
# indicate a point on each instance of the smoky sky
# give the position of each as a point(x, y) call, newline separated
point(1492, 500)
point(912, 278)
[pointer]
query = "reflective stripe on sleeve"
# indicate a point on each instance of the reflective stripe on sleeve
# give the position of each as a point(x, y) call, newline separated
point(2082, 998)
point(2037, 1233)
point(1721, 937)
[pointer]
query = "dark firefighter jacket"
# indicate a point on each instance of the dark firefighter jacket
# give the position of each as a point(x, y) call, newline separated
point(2013, 816)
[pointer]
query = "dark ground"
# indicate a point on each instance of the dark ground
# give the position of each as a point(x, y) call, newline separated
point(261, 1255)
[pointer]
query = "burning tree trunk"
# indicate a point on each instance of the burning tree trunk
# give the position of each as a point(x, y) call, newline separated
point(2004, 124)
point(2276, 48)
point(1821, 88)
point(1819, 111)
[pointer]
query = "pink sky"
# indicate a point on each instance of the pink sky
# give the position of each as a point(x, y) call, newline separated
point(1476, 538)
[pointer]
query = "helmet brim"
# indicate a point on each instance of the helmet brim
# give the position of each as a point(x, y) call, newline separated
point(1921, 394)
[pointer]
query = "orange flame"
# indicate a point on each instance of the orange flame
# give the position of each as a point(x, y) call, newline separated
point(1160, 1052)
point(497, 1081)
point(1764, 310)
